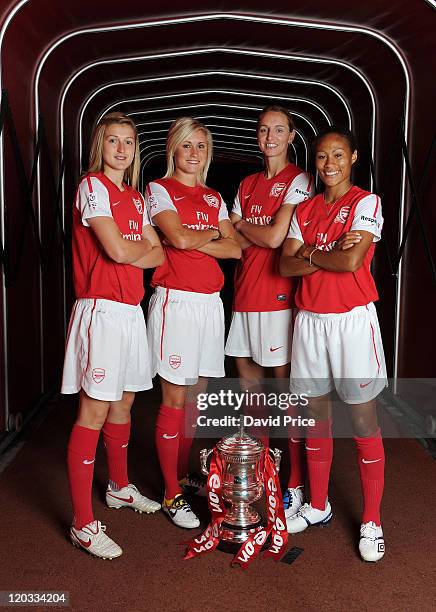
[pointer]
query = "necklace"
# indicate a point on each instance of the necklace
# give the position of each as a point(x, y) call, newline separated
point(339, 197)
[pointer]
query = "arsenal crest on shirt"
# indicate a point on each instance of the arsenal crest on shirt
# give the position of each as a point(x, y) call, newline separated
point(138, 203)
point(277, 189)
point(211, 200)
point(342, 215)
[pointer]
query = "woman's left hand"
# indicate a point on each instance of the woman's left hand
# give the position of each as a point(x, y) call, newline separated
point(348, 240)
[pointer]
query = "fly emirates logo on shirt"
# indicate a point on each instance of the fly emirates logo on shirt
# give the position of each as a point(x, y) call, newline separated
point(322, 244)
point(134, 233)
point(202, 222)
point(256, 217)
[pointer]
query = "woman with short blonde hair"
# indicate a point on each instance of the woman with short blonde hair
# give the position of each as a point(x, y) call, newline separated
point(186, 318)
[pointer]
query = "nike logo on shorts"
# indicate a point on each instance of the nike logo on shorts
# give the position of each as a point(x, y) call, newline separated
point(176, 199)
point(307, 222)
point(370, 460)
point(88, 461)
point(247, 196)
point(168, 437)
point(313, 449)
point(363, 385)
point(116, 203)
point(124, 445)
point(275, 348)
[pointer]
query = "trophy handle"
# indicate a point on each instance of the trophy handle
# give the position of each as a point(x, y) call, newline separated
point(277, 455)
point(204, 454)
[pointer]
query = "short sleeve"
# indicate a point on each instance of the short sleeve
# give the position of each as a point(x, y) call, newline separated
point(368, 216)
point(302, 188)
point(223, 212)
point(158, 199)
point(92, 200)
point(294, 229)
point(145, 216)
point(237, 204)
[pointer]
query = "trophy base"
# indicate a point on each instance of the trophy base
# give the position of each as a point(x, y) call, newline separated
point(235, 534)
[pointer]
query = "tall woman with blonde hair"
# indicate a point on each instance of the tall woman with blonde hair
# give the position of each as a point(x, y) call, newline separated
point(106, 358)
point(186, 319)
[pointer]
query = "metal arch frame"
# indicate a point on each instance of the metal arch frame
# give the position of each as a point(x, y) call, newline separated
point(259, 19)
point(208, 50)
point(5, 26)
point(184, 95)
point(215, 73)
point(202, 92)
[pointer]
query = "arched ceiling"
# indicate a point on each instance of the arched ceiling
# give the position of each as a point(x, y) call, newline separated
point(365, 65)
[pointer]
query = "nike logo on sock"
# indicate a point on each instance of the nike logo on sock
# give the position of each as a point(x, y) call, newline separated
point(124, 445)
point(168, 437)
point(295, 441)
point(313, 449)
point(370, 461)
point(88, 461)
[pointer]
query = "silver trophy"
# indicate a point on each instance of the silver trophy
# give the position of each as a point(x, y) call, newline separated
point(243, 458)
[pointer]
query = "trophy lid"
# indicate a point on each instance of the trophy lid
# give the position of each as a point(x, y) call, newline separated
point(240, 445)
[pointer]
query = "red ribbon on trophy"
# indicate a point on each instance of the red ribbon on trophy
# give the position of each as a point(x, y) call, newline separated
point(209, 539)
point(276, 526)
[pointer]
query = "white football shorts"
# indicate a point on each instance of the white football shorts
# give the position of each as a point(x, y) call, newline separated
point(342, 351)
point(106, 351)
point(186, 335)
point(266, 337)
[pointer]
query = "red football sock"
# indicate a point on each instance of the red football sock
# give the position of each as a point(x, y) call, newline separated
point(167, 433)
point(297, 452)
point(297, 456)
point(371, 455)
point(186, 438)
point(319, 448)
point(116, 439)
point(80, 460)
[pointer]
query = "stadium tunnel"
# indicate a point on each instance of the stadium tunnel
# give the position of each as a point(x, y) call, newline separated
point(362, 66)
point(367, 66)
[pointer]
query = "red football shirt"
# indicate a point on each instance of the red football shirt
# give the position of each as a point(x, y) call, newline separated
point(258, 284)
point(319, 224)
point(199, 208)
point(95, 274)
